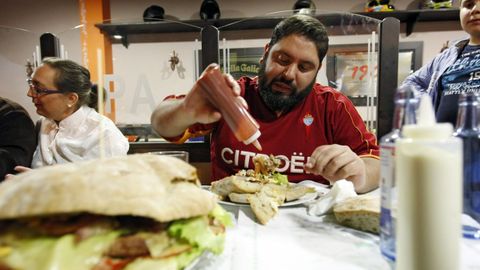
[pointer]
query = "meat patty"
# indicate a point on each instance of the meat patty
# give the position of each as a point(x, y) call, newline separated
point(128, 246)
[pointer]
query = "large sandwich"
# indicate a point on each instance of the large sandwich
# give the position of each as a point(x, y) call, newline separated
point(135, 212)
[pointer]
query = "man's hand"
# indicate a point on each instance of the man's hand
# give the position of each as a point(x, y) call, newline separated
point(172, 117)
point(197, 106)
point(335, 162)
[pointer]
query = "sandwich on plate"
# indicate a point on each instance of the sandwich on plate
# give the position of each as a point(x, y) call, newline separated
point(134, 212)
point(263, 188)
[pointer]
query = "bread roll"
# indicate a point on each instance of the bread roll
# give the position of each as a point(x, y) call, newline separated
point(236, 184)
point(360, 212)
point(159, 187)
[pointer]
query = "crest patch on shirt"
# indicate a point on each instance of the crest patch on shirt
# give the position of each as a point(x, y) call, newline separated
point(308, 119)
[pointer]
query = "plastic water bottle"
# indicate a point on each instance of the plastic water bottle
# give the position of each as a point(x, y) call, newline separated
point(468, 129)
point(404, 113)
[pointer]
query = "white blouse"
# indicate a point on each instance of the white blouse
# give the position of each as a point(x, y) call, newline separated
point(77, 138)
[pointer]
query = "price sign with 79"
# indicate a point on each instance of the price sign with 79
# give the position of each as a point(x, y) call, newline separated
point(360, 72)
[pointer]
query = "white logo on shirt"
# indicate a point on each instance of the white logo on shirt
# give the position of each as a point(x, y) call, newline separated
point(242, 158)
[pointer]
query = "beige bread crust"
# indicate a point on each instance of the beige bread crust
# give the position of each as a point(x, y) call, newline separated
point(294, 192)
point(239, 197)
point(263, 206)
point(241, 184)
point(360, 212)
point(276, 192)
point(222, 187)
point(160, 187)
point(235, 184)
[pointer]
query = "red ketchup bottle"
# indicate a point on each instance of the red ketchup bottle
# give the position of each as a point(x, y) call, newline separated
point(242, 124)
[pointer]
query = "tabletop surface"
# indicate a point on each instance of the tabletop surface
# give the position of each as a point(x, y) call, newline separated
point(295, 240)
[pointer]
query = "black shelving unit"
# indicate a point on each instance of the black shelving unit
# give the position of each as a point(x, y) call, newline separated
point(410, 17)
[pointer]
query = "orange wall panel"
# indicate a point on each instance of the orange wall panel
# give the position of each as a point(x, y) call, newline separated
point(91, 13)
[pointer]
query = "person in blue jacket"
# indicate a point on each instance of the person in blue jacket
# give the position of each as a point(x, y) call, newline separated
point(455, 70)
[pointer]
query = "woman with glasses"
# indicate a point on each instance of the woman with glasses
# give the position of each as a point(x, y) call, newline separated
point(70, 128)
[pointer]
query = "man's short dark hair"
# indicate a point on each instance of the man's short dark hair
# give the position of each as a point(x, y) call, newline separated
point(306, 26)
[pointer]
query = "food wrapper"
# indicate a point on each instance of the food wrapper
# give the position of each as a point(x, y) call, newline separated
point(340, 191)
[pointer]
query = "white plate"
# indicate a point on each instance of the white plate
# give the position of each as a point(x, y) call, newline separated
point(304, 199)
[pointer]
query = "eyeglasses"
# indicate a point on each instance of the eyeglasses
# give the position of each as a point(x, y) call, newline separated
point(37, 91)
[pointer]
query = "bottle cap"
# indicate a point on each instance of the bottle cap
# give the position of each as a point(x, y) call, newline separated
point(427, 127)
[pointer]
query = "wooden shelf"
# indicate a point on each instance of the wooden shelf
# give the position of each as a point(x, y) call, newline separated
point(410, 17)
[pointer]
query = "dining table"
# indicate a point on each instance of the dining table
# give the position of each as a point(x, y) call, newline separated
point(293, 239)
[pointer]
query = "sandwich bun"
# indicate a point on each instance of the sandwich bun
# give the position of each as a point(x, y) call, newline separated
point(159, 187)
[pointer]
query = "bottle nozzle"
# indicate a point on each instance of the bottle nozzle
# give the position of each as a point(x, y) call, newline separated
point(257, 145)
point(426, 112)
point(427, 127)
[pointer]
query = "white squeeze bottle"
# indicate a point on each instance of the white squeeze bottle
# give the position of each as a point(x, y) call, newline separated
point(429, 180)
point(404, 113)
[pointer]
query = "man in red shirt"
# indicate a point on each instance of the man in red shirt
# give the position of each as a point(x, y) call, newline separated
point(314, 129)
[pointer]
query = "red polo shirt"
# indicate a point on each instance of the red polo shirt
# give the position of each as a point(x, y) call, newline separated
point(325, 116)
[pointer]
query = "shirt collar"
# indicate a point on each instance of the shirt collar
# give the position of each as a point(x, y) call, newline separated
point(74, 119)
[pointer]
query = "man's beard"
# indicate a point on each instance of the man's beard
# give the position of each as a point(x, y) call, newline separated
point(279, 102)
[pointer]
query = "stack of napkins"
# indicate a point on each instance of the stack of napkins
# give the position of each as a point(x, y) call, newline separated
point(340, 191)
